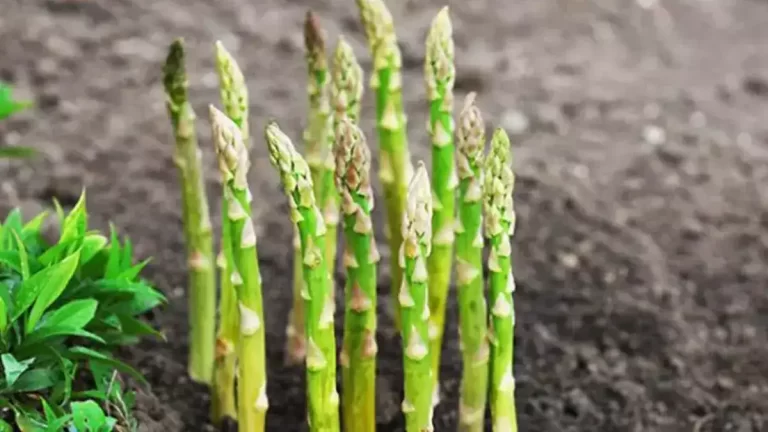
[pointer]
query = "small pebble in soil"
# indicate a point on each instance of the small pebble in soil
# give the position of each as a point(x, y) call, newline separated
point(515, 122)
point(654, 135)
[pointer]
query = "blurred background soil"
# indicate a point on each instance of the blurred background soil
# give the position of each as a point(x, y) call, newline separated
point(640, 143)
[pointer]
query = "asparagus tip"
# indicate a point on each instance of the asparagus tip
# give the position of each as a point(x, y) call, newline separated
point(419, 201)
point(174, 73)
point(440, 70)
point(353, 157)
point(471, 129)
point(229, 146)
point(281, 150)
point(314, 38)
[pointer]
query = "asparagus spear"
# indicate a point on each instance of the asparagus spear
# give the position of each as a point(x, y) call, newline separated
point(196, 218)
point(499, 226)
point(440, 75)
point(245, 275)
point(320, 160)
point(323, 399)
point(395, 169)
point(414, 305)
point(321, 134)
point(358, 356)
point(346, 85)
point(469, 268)
point(234, 98)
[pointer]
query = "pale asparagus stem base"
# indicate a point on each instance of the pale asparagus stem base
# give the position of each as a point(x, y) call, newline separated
point(245, 275)
point(223, 403)
point(196, 219)
point(414, 305)
point(473, 314)
point(499, 226)
point(296, 338)
point(358, 356)
point(323, 399)
point(439, 74)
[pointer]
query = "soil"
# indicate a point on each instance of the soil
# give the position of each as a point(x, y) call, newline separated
point(640, 144)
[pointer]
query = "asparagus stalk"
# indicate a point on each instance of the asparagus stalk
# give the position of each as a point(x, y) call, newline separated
point(234, 98)
point(440, 75)
point(499, 226)
point(245, 275)
point(473, 314)
point(414, 305)
point(196, 218)
point(323, 399)
point(320, 160)
point(320, 135)
point(395, 169)
point(358, 356)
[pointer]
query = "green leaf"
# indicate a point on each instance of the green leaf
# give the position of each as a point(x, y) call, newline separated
point(113, 263)
point(96, 356)
point(5, 427)
point(49, 289)
point(136, 327)
point(13, 368)
point(5, 297)
point(132, 273)
point(74, 314)
point(23, 258)
point(36, 224)
point(92, 244)
point(35, 380)
point(17, 152)
point(43, 334)
point(13, 223)
point(89, 417)
point(75, 223)
point(11, 259)
point(3, 315)
point(8, 104)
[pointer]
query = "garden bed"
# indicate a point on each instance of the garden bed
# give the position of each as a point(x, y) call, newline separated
point(639, 141)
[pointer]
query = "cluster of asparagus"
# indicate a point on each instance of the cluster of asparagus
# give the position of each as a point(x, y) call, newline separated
point(430, 220)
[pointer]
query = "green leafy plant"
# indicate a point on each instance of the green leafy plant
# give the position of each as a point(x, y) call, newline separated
point(64, 307)
point(9, 106)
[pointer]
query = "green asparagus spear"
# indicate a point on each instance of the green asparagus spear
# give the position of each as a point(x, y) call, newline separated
point(473, 316)
point(322, 136)
point(245, 275)
point(317, 141)
point(346, 85)
point(414, 304)
point(358, 355)
point(234, 98)
point(196, 218)
point(440, 75)
point(323, 399)
point(395, 169)
point(499, 226)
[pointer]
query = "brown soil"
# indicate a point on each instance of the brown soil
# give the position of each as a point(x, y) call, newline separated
point(640, 144)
